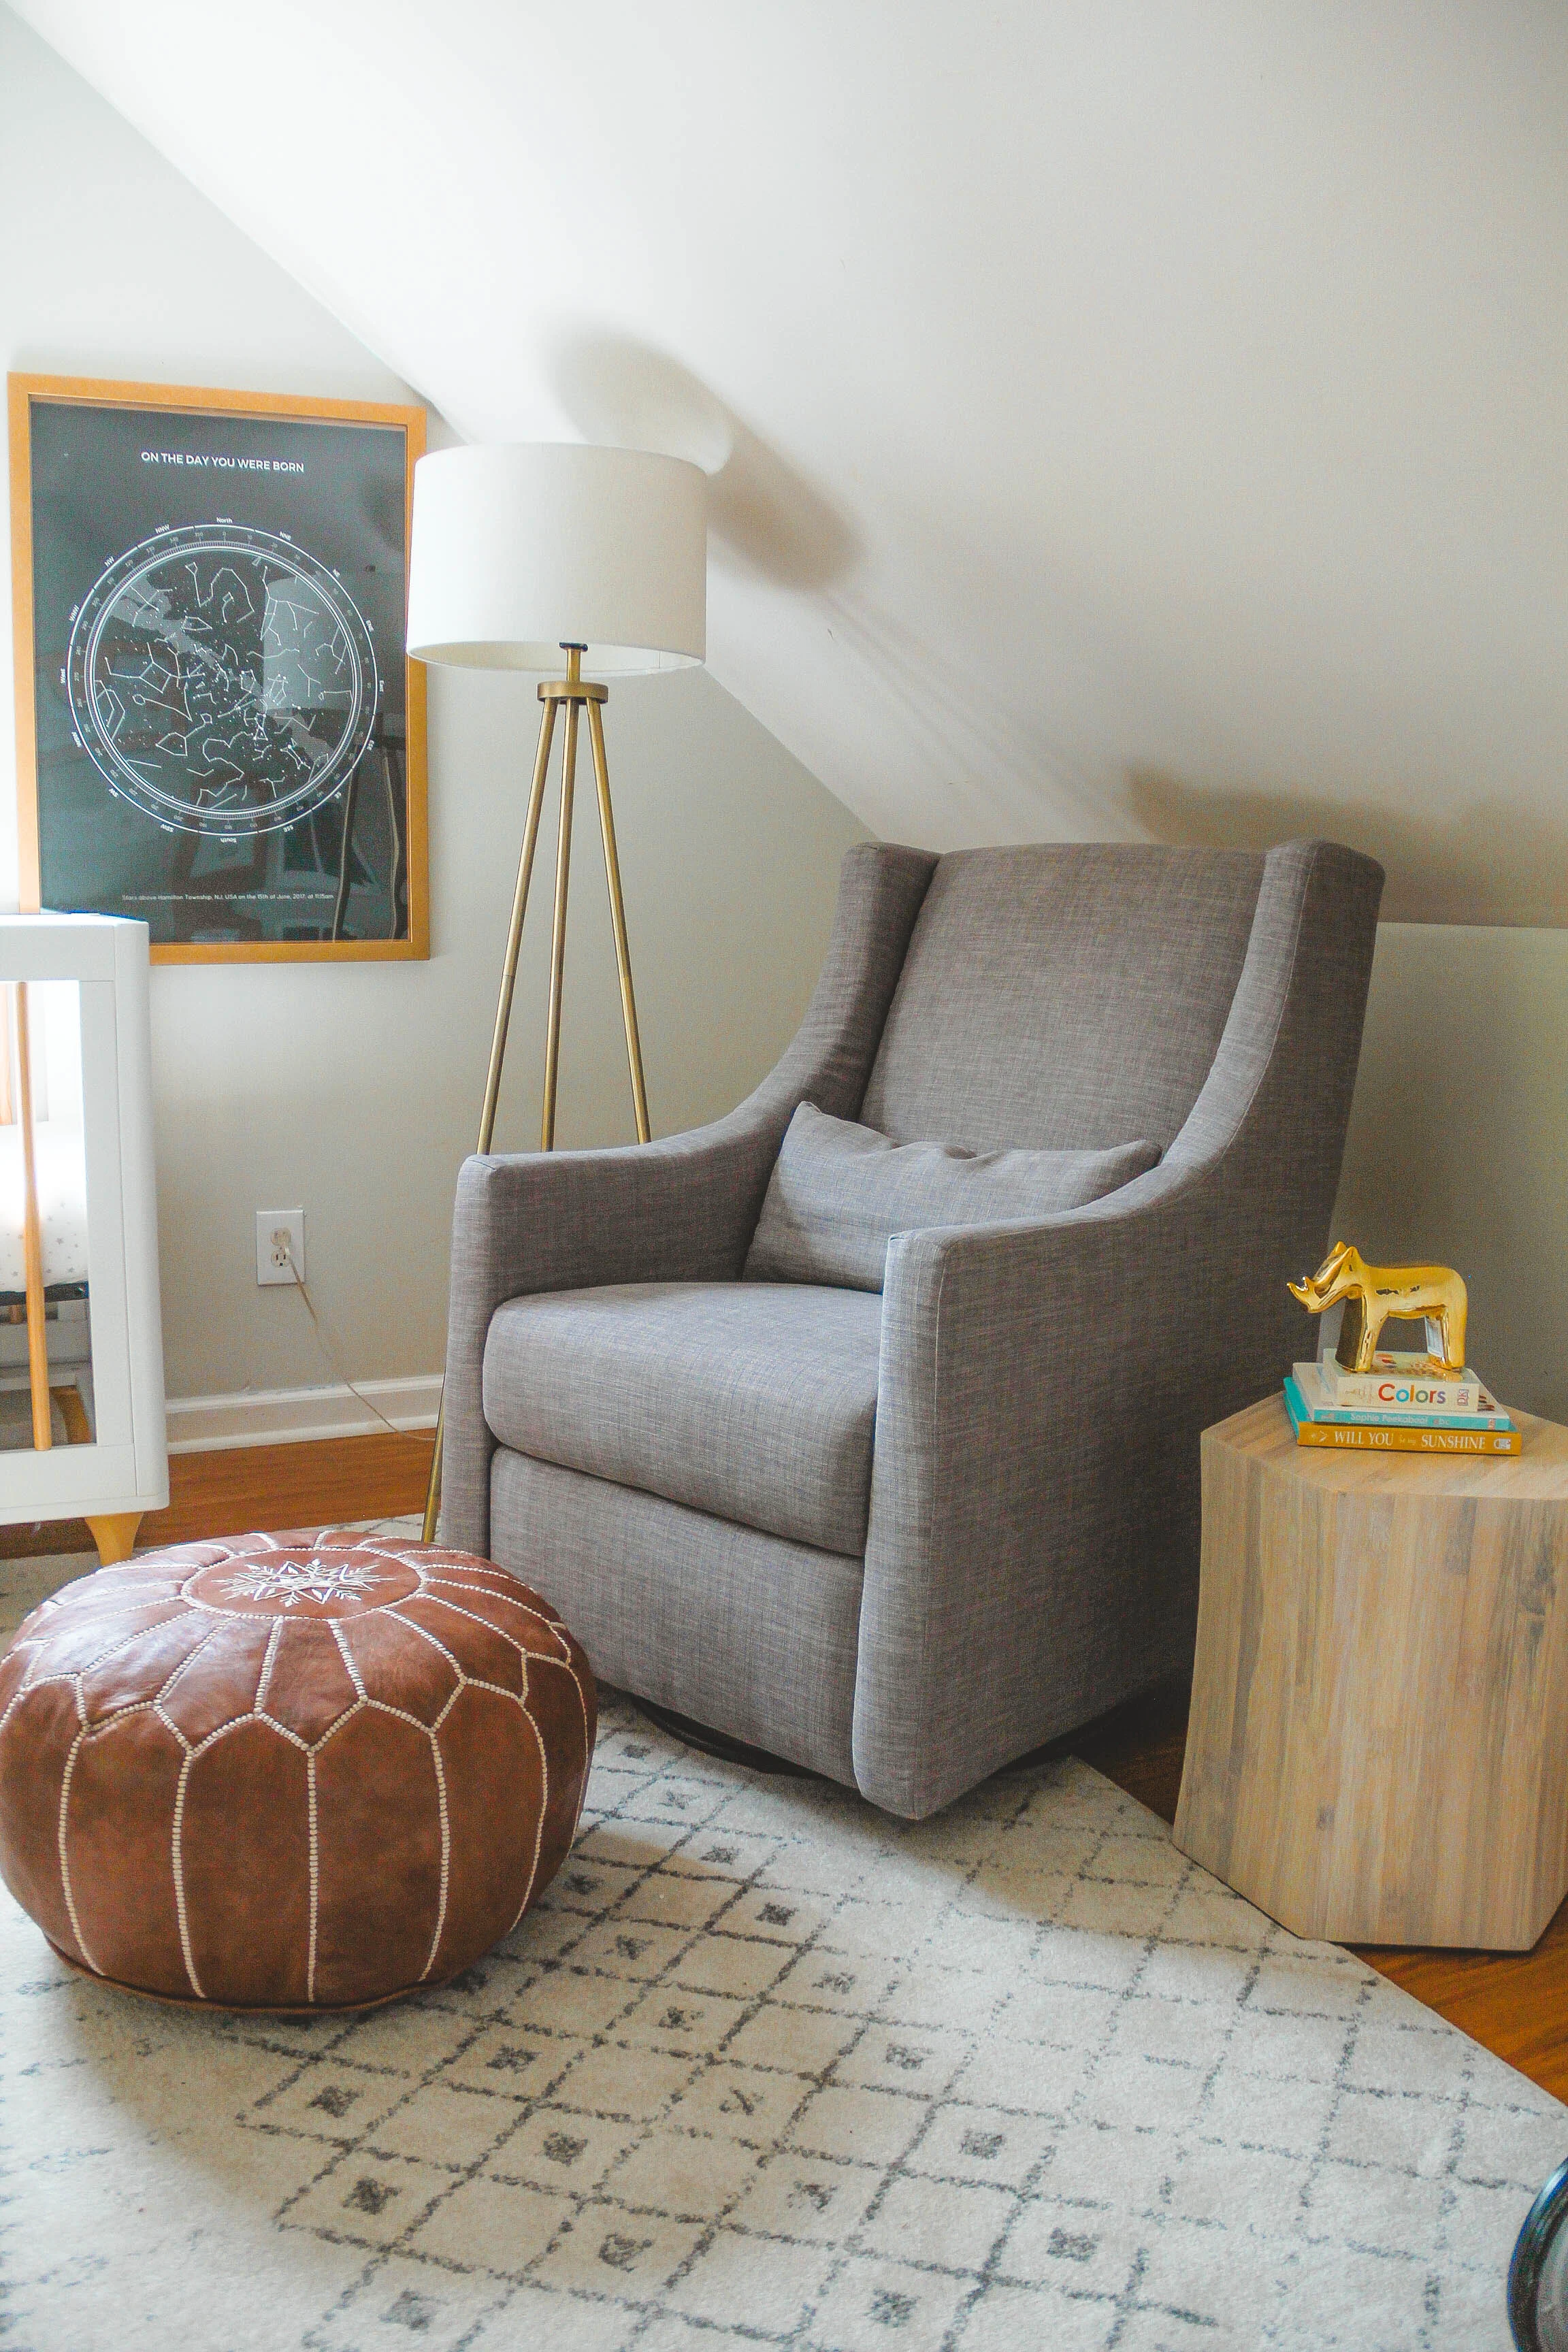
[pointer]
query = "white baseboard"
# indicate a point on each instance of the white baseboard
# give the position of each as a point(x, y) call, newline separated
point(294, 1416)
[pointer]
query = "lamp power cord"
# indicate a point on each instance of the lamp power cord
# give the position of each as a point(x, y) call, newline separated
point(283, 1249)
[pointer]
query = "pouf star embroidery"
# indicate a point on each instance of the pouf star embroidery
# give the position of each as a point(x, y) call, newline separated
point(311, 1579)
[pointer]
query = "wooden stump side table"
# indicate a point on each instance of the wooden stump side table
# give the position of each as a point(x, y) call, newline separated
point(1378, 1747)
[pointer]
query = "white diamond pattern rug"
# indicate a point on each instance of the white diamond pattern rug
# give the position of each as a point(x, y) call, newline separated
point(768, 2069)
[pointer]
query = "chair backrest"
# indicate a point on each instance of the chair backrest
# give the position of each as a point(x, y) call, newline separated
point(1066, 996)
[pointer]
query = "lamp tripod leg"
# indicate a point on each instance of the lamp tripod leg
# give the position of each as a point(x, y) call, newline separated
point(619, 920)
point(514, 936)
point(498, 1043)
point(558, 932)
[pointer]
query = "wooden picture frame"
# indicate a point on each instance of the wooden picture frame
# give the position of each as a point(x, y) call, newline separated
point(218, 729)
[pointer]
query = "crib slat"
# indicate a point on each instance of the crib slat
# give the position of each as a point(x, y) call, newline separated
point(32, 1237)
point(7, 1096)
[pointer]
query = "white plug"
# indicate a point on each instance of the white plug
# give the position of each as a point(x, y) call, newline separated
point(281, 1245)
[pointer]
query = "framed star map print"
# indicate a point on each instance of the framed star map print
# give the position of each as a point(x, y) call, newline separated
point(218, 728)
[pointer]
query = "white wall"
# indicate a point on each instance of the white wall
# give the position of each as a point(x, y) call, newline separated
point(354, 1089)
point(1459, 1140)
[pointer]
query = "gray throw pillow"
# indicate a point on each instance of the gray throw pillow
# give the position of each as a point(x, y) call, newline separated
point(838, 1192)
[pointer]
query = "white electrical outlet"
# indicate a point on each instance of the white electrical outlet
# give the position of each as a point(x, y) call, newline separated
point(279, 1246)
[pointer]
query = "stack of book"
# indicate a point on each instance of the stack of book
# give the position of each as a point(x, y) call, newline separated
point(1401, 1406)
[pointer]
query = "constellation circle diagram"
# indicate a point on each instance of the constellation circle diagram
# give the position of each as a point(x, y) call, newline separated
point(222, 680)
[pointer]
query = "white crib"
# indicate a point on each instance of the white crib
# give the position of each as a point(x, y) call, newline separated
point(82, 1359)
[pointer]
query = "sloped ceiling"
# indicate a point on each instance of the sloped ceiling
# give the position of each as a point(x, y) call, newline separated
point(1141, 420)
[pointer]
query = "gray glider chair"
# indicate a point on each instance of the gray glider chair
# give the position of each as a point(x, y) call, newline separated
point(903, 1536)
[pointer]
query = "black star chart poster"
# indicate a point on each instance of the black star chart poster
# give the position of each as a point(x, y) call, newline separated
point(219, 731)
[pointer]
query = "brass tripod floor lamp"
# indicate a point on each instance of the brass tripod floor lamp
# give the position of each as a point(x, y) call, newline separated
point(523, 552)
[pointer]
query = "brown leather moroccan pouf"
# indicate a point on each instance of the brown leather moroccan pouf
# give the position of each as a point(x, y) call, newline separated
point(303, 1771)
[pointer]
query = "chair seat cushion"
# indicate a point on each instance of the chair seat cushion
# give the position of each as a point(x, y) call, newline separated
point(756, 1401)
point(839, 1193)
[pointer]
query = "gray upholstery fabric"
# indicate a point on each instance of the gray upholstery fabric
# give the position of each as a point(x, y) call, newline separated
point(680, 1210)
point(756, 1637)
point(753, 1401)
point(1032, 1555)
point(840, 1191)
point(1031, 1552)
point(1069, 996)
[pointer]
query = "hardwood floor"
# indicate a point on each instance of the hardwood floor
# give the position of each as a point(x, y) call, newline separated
point(1514, 2003)
point(268, 1486)
point(264, 1487)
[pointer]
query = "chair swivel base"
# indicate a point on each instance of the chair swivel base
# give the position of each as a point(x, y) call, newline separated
point(709, 1742)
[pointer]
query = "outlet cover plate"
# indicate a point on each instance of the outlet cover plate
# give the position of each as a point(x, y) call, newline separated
point(268, 1265)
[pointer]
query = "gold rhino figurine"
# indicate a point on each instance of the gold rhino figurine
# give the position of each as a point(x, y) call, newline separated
point(1373, 1293)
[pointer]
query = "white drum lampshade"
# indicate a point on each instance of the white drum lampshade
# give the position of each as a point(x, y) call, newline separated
point(523, 547)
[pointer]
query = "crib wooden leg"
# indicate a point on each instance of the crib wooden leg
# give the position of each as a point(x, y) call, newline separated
point(114, 1533)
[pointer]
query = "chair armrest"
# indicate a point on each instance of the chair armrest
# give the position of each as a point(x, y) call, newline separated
point(1032, 1556)
point(681, 1210)
point(1034, 1485)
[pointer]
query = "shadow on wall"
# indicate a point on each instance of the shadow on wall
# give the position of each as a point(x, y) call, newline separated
point(1004, 777)
point(766, 518)
point(1483, 864)
point(997, 768)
